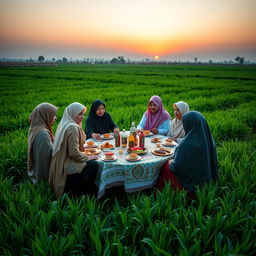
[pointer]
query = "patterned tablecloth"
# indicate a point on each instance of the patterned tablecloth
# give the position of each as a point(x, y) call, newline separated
point(134, 176)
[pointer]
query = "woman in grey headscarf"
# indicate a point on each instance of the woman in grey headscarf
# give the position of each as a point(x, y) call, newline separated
point(195, 159)
point(176, 131)
point(40, 140)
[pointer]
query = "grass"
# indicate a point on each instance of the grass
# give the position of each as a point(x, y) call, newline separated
point(221, 222)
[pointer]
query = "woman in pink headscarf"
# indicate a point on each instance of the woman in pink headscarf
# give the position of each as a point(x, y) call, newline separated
point(156, 118)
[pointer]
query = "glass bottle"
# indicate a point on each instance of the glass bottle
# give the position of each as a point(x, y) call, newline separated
point(117, 138)
point(133, 131)
point(142, 139)
point(131, 140)
point(124, 139)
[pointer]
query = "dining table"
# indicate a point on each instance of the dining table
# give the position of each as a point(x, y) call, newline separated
point(134, 176)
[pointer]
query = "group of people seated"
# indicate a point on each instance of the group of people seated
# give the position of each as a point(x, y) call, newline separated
point(60, 160)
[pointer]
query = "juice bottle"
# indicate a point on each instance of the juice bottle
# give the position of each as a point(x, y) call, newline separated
point(124, 139)
point(133, 131)
point(142, 139)
point(131, 141)
point(117, 138)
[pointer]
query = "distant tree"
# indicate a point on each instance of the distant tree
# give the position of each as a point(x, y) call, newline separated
point(53, 59)
point(41, 58)
point(114, 61)
point(195, 60)
point(240, 60)
point(64, 60)
point(121, 59)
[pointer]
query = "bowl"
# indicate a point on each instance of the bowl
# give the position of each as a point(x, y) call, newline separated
point(90, 143)
point(109, 155)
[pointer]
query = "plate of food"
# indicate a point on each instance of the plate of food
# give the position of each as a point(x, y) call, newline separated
point(133, 157)
point(169, 143)
point(156, 140)
point(106, 145)
point(92, 151)
point(162, 151)
point(148, 133)
point(137, 150)
point(90, 144)
point(109, 157)
point(107, 136)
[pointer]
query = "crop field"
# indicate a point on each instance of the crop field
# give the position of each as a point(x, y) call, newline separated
point(222, 221)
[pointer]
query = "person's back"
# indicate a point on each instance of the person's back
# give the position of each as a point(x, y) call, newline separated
point(40, 141)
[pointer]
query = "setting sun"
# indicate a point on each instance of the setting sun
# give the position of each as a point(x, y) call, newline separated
point(157, 57)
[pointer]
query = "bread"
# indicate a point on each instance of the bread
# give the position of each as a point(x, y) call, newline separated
point(146, 132)
point(106, 135)
point(133, 156)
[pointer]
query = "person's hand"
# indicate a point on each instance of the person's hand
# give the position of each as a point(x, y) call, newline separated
point(170, 161)
point(154, 130)
point(92, 157)
point(96, 136)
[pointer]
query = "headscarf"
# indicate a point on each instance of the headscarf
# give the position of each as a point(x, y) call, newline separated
point(177, 126)
point(156, 119)
point(98, 124)
point(40, 119)
point(195, 159)
point(67, 120)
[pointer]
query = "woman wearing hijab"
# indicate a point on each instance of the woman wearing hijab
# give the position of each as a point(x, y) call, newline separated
point(40, 140)
point(195, 159)
point(156, 118)
point(176, 131)
point(99, 121)
point(71, 170)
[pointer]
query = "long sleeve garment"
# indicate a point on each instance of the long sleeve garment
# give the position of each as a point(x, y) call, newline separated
point(41, 155)
point(170, 134)
point(195, 159)
point(99, 125)
point(163, 128)
point(68, 160)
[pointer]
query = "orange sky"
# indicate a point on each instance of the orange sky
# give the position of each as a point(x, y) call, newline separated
point(133, 28)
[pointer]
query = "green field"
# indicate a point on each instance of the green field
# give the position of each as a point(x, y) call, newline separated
point(221, 222)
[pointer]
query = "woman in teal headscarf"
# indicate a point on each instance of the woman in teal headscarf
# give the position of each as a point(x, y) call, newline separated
point(195, 159)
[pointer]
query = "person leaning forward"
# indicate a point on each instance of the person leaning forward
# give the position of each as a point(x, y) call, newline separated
point(71, 170)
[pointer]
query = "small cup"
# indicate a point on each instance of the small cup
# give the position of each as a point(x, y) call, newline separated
point(158, 145)
point(109, 155)
point(120, 151)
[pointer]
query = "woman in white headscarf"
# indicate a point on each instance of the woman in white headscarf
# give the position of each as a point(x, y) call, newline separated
point(71, 170)
point(40, 140)
point(176, 131)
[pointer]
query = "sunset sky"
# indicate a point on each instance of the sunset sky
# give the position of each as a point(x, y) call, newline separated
point(135, 29)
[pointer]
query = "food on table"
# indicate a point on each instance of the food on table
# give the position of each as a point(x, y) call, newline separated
point(106, 136)
point(133, 156)
point(120, 151)
point(90, 151)
point(169, 142)
point(109, 155)
point(155, 140)
point(106, 145)
point(162, 151)
point(138, 150)
point(90, 143)
point(146, 132)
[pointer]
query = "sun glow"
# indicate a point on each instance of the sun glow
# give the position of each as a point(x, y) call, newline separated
point(156, 57)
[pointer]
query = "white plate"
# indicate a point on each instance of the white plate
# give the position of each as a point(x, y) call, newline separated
point(133, 160)
point(170, 145)
point(170, 152)
point(109, 160)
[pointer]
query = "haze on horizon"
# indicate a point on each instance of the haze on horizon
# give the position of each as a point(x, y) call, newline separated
point(135, 29)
